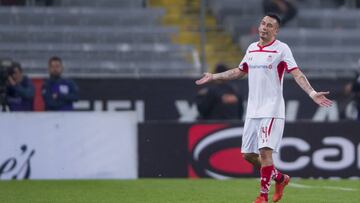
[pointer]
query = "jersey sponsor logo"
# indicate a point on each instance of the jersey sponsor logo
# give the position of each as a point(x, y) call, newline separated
point(261, 66)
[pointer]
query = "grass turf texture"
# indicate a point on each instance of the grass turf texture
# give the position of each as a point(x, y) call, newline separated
point(173, 190)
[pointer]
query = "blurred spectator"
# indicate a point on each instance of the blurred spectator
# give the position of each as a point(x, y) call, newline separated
point(219, 101)
point(58, 93)
point(13, 2)
point(45, 2)
point(347, 3)
point(284, 8)
point(27, 2)
point(353, 88)
point(20, 90)
point(339, 3)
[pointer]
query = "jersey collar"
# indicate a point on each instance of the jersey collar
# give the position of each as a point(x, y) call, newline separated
point(262, 47)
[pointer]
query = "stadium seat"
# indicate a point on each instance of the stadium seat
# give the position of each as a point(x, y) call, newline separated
point(105, 36)
point(323, 38)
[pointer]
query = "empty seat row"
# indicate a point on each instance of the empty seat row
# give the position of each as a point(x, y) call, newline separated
point(327, 19)
point(93, 37)
point(148, 56)
point(104, 67)
point(311, 37)
point(79, 16)
point(225, 8)
point(103, 3)
point(85, 34)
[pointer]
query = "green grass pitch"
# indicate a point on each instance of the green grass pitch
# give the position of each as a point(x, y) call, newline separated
point(173, 190)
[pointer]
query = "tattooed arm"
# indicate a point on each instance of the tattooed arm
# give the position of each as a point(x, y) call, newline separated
point(227, 75)
point(232, 74)
point(302, 81)
point(317, 97)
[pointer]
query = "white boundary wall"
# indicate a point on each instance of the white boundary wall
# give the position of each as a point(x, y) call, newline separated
point(72, 145)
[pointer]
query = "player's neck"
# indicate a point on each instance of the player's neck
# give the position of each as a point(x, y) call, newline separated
point(264, 42)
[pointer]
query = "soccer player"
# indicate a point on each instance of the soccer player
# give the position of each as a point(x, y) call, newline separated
point(265, 62)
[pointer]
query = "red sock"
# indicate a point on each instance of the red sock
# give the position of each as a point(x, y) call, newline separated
point(266, 175)
point(278, 176)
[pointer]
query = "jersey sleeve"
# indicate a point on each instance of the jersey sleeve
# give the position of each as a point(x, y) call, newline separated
point(289, 59)
point(243, 66)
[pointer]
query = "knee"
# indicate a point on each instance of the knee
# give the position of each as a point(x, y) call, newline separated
point(250, 157)
point(266, 154)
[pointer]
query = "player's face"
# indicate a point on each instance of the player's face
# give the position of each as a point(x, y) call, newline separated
point(55, 68)
point(268, 28)
point(17, 76)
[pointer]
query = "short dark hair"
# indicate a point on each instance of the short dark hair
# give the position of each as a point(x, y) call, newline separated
point(14, 65)
point(275, 16)
point(17, 65)
point(55, 58)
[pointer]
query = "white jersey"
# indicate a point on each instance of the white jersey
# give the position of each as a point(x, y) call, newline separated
point(265, 67)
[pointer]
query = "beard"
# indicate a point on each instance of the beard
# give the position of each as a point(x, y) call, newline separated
point(55, 76)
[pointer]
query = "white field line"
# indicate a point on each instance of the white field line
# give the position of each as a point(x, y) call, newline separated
point(297, 185)
point(301, 186)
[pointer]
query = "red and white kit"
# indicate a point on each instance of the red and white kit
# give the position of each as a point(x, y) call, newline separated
point(265, 116)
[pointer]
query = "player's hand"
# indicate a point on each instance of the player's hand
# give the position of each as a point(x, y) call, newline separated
point(321, 100)
point(207, 77)
point(55, 96)
point(11, 81)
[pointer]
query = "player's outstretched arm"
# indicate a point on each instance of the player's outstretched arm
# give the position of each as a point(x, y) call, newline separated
point(227, 75)
point(317, 97)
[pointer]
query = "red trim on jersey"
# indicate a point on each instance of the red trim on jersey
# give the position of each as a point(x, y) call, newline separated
point(260, 50)
point(282, 66)
point(270, 126)
point(245, 68)
point(262, 47)
point(292, 69)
